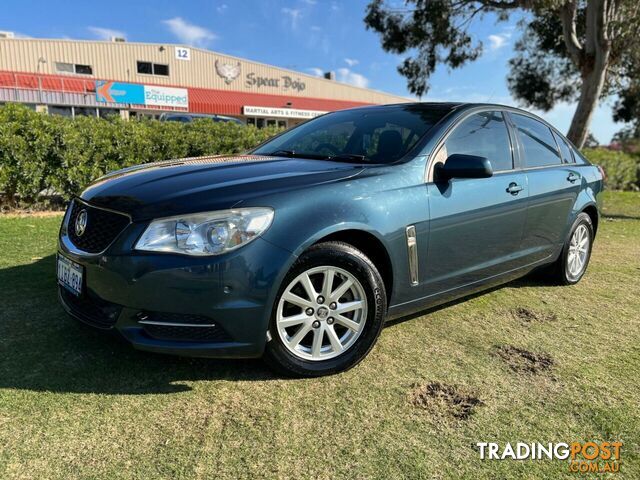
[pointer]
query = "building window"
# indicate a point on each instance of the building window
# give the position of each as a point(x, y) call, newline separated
point(84, 111)
point(148, 68)
point(145, 67)
point(108, 112)
point(266, 122)
point(84, 70)
point(60, 110)
point(63, 67)
point(159, 69)
point(138, 115)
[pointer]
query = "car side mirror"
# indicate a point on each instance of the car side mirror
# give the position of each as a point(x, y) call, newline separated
point(464, 166)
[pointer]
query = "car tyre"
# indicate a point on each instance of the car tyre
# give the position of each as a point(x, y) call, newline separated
point(327, 348)
point(573, 261)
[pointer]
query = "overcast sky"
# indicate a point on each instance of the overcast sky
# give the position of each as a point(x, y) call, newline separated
point(311, 36)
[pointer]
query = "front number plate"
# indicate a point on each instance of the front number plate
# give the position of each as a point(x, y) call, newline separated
point(70, 275)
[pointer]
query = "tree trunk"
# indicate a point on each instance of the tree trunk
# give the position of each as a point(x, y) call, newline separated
point(592, 84)
point(593, 60)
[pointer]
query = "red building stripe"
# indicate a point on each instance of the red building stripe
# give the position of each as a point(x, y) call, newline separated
point(201, 100)
point(204, 100)
point(52, 83)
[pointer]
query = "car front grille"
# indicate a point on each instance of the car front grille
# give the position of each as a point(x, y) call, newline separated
point(91, 309)
point(182, 328)
point(187, 334)
point(102, 227)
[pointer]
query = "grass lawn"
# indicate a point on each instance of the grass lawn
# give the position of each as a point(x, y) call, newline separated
point(75, 403)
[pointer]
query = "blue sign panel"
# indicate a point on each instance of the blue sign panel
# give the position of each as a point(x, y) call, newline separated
point(115, 92)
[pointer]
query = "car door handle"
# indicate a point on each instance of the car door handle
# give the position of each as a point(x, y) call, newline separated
point(514, 188)
point(573, 177)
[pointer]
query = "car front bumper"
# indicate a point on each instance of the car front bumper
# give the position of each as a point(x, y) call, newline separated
point(216, 306)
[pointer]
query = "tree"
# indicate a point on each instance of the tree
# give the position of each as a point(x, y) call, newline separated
point(591, 141)
point(628, 139)
point(570, 49)
point(627, 108)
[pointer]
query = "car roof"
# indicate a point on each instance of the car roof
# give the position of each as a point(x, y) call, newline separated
point(459, 106)
point(438, 105)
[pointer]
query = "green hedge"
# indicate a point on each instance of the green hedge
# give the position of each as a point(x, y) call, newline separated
point(47, 152)
point(622, 169)
point(40, 152)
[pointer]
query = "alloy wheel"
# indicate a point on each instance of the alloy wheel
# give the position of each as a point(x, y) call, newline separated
point(578, 251)
point(321, 313)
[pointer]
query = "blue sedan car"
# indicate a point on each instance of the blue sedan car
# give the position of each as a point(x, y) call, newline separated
point(301, 249)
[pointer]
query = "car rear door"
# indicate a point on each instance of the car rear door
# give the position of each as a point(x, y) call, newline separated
point(554, 184)
point(476, 225)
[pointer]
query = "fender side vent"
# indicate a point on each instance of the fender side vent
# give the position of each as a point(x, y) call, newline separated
point(412, 251)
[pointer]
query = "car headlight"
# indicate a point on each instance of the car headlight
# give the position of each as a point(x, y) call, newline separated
point(210, 233)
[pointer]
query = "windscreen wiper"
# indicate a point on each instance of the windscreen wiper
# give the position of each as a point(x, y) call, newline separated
point(348, 157)
point(280, 153)
point(293, 154)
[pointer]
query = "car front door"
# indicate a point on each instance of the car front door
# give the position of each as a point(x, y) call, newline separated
point(554, 184)
point(476, 225)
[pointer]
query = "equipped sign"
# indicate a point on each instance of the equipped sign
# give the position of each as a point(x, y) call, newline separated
point(135, 93)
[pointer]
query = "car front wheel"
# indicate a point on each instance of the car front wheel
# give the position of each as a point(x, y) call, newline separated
point(328, 313)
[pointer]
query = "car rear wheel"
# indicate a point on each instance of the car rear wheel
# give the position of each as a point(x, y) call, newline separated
point(328, 313)
point(574, 259)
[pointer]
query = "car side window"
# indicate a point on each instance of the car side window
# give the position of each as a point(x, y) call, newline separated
point(565, 149)
point(539, 146)
point(483, 134)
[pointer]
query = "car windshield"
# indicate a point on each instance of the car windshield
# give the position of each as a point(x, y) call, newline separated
point(371, 135)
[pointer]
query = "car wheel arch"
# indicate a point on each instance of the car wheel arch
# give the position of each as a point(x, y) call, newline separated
point(371, 246)
point(585, 202)
point(346, 233)
point(592, 211)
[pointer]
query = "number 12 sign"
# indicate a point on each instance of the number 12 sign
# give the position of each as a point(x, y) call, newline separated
point(183, 53)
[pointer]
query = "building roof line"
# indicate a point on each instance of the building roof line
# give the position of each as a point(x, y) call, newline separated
point(209, 52)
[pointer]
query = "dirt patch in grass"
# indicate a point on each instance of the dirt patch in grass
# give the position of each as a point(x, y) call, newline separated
point(529, 316)
point(453, 401)
point(523, 361)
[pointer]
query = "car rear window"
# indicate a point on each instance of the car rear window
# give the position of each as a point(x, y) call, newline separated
point(565, 149)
